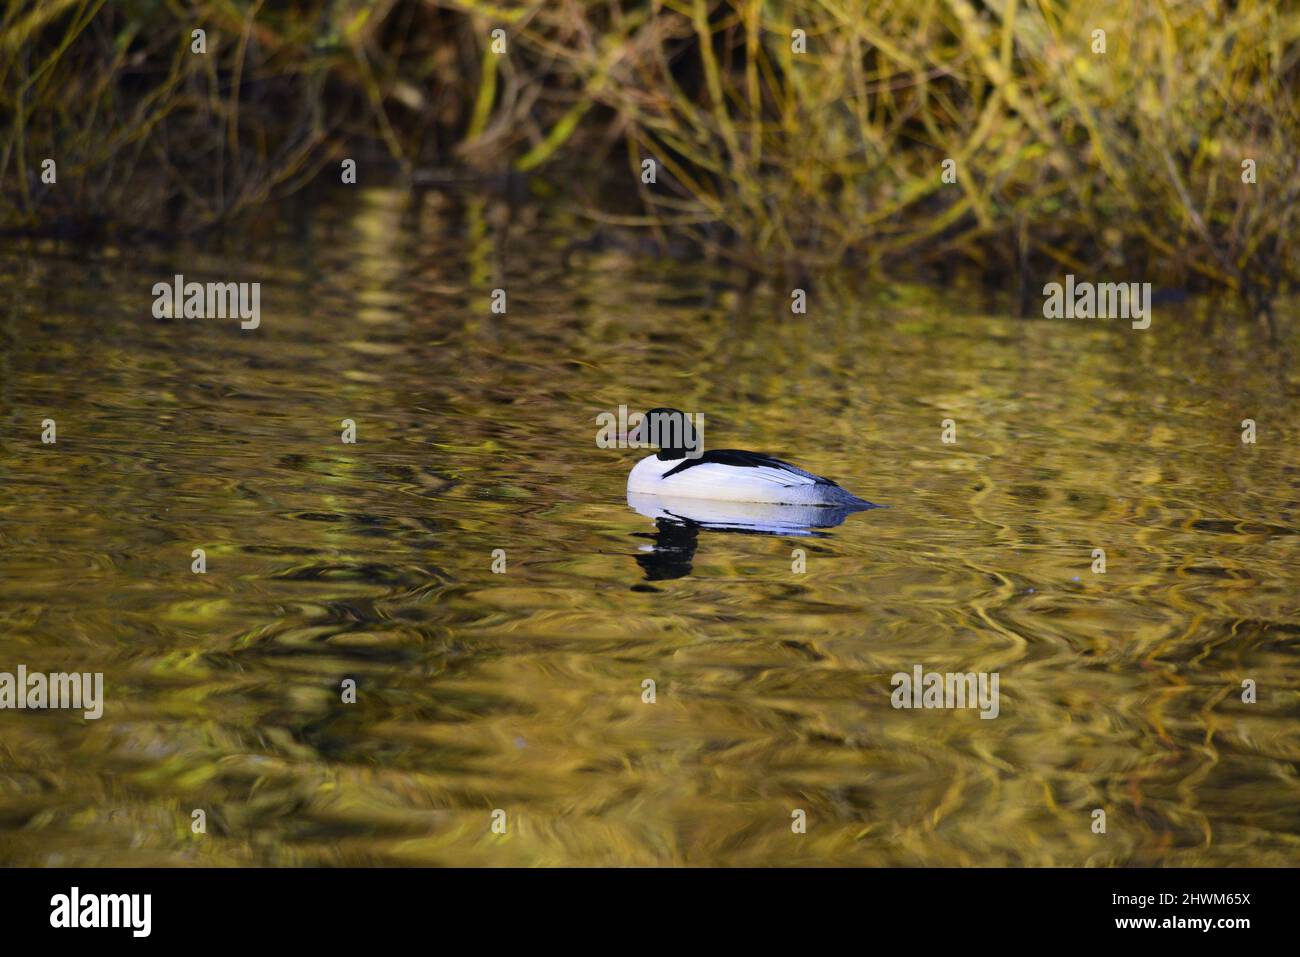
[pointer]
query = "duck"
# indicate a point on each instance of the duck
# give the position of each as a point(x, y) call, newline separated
point(681, 469)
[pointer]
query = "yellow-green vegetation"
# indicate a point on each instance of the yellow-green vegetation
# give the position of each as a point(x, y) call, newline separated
point(787, 133)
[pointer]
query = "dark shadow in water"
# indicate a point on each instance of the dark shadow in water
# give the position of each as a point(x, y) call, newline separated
point(672, 552)
point(679, 521)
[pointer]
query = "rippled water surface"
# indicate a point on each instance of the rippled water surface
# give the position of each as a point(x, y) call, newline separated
point(523, 691)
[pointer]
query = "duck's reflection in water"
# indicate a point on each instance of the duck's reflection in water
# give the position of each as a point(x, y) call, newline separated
point(679, 521)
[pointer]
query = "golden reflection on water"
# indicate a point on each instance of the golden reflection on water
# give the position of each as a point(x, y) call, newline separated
point(523, 691)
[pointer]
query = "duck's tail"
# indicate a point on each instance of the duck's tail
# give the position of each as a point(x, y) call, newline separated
point(843, 498)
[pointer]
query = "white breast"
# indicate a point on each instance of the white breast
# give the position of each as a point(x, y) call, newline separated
point(729, 483)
